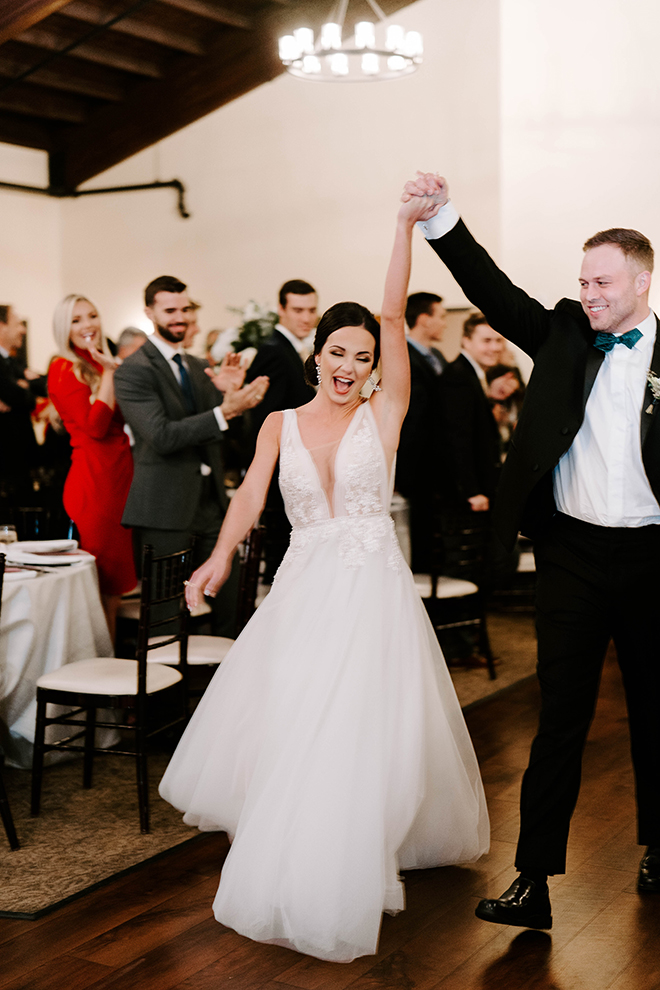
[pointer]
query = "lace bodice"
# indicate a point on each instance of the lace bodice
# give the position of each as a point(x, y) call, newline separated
point(360, 497)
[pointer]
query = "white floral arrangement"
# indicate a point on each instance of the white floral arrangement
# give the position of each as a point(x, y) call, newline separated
point(654, 385)
point(256, 325)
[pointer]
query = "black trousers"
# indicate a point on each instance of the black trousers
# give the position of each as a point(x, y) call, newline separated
point(593, 584)
point(205, 527)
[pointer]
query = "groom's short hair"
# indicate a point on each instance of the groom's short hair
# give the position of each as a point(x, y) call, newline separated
point(635, 246)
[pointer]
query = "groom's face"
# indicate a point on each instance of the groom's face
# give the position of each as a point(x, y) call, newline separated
point(171, 313)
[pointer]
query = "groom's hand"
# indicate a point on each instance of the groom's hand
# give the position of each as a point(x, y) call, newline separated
point(427, 184)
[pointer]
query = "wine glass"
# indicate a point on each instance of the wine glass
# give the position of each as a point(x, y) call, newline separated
point(7, 533)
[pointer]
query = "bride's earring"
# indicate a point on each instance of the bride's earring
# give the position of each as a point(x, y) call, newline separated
point(318, 374)
point(375, 386)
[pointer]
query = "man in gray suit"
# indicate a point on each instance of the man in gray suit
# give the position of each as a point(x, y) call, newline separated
point(178, 410)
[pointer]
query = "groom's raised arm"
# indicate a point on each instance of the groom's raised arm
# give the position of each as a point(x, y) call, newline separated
point(509, 309)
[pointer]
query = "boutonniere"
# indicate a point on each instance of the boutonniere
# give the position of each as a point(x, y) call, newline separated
point(654, 385)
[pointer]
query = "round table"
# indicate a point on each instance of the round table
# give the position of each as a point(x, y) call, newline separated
point(46, 621)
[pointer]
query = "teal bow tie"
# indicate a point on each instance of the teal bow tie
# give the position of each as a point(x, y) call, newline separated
point(606, 341)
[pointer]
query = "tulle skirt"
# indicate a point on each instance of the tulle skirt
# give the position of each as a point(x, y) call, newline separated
point(330, 745)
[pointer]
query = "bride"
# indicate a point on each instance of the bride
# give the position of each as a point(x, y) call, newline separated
point(330, 744)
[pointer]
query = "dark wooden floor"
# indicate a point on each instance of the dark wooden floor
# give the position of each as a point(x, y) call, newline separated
point(153, 930)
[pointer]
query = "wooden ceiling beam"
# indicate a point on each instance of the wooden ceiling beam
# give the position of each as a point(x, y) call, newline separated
point(212, 12)
point(66, 81)
point(18, 15)
point(26, 132)
point(154, 110)
point(44, 104)
point(89, 14)
point(92, 52)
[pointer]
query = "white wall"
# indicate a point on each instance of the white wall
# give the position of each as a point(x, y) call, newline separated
point(300, 180)
point(580, 133)
point(30, 248)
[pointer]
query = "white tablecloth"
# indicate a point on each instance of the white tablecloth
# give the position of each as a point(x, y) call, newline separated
point(50, 620)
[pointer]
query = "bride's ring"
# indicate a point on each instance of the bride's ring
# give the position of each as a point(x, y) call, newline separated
point(190, 584)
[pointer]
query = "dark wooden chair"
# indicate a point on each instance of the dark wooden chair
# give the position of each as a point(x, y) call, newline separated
point(455, 593)
point(148, 698)
point(211, 650)
point(5, 810)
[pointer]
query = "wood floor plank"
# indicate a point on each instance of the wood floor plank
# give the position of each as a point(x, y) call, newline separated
point(69, 972)
point(152, 928)
point(175, 961)
point(247, 966)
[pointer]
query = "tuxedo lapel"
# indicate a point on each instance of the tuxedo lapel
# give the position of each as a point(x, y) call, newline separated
point(594, 360)
point(648, 417)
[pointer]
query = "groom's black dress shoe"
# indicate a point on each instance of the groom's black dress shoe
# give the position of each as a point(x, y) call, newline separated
point(648, 881)
point(525, 904)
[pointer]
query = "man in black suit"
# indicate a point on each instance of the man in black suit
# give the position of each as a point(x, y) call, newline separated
point(420, 447)
point(18, 391)
point(473, 438)
point(281, 358)
point(582, 478)
point(178, 410)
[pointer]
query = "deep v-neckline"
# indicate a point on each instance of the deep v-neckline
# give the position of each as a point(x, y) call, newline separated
point(340, 444)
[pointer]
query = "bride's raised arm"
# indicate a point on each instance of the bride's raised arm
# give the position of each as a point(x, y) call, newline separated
point(395, 365)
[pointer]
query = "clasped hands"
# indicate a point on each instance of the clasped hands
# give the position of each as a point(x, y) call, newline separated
point(229, 379)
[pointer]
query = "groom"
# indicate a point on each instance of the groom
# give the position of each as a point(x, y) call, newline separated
point(583, 480)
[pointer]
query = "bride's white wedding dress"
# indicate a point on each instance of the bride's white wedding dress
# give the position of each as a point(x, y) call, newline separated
point(330, 744)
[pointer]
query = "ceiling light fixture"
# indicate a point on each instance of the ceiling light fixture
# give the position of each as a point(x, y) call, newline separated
point(329, 59)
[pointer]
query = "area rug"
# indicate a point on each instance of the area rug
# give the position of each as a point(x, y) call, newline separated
point(81, 839)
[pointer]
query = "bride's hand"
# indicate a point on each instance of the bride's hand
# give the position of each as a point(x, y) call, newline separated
point(207, 580)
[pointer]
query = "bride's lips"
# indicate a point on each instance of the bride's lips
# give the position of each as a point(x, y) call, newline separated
point(342, 385)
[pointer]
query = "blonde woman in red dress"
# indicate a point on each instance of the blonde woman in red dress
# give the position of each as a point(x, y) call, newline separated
point(81, 387)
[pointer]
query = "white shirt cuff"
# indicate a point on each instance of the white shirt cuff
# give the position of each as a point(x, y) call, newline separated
point(439, 225)
point(222, 422)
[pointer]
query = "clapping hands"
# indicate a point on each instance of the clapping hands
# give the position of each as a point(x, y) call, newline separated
point(229, 380)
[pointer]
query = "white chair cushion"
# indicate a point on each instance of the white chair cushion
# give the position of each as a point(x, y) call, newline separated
point(201, 650)
point(448, 587)
point(527, 563)
point(107, 675)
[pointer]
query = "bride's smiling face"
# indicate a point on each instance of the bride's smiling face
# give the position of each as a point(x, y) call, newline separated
point(346, 361)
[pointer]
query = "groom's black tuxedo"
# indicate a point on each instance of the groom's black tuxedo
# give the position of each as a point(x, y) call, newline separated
point(565, 367)
point(594, 582)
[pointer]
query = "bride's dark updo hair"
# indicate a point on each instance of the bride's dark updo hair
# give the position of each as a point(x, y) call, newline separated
point(343, 314)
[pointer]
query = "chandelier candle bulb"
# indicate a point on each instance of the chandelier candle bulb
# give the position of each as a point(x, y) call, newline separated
point(365, 35)
point(394, 39)
point(330, 37)
point(413, 46)
point(396, 63)
point(370, 64)
point(305, 38)
point(311, 63)
point(289, 48)
point(339, 63)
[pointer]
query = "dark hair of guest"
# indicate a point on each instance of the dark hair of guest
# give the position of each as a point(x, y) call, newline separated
point(343, 314)
point(164, 283)
point(4, 314)
point(418, 303)
point(297, 287)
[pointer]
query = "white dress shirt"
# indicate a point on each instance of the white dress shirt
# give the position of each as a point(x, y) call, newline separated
point(479, 371)
point(302, 346)
point(601, 478)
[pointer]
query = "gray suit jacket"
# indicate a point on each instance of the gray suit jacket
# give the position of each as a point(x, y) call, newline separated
point(170, 444)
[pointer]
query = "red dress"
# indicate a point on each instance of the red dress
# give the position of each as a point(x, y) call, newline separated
point(101, 473)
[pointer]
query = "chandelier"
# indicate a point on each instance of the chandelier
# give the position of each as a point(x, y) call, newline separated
point(361, 58)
